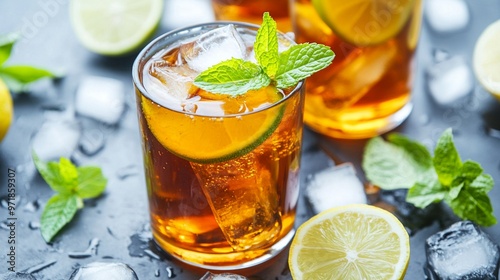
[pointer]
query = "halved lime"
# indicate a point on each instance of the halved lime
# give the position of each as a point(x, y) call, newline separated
point(203, 139)
point(115, 27)
point(364, 22)
point(486, 59)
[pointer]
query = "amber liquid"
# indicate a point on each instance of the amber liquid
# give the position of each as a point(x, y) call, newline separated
point(366, 90)
point(226, 212)
point(252, 11)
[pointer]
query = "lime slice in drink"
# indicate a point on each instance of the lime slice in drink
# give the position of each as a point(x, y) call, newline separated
point(214, 139)
point(350, 242)
point(364, 22)
point(115, 27)
point(486, 59)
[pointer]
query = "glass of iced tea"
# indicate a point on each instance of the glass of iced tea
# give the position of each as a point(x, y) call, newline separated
point(252, 10)
point(221, 172)
point(366, 90)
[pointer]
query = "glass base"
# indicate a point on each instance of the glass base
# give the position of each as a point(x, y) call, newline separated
point(234, 261)
point(359, 129)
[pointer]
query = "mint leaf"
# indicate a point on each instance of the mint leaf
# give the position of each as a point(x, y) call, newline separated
point(91, 182)
point(68, 173)
point(482, 182)
point(6, 44)
point(422, 195)
point(59, 211)
point(446, 160)
point(233, 77)
point(72, 184)
point(50, 172)
point(300, 62)
point(475, 205)
point(266, 45)
point(415, 150)
point(391, 166)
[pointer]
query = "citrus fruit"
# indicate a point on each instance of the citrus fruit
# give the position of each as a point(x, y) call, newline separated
point(350, 242)
point(486, 59)
point(364, 22)
point(6, 109)
point(204, 139)
point(115, 27)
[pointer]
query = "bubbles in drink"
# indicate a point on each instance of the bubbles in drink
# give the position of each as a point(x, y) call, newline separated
point(463, 251)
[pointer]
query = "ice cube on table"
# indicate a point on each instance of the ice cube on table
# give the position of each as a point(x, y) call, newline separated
point(213, 47)
point(462, 251)
point(450, 80)
point(56, 139)
point(100, 98)
point(446, 16)
point(17, 276)
point(104, 271)
point(334, 186)
point(223, 276)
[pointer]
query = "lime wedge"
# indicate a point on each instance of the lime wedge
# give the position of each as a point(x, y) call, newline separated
point(115, 27)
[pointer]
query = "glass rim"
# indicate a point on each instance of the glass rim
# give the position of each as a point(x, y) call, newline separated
point(141, 57)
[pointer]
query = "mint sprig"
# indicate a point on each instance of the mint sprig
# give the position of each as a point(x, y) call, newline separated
point(72, 184)
point(237, 76)
point(403, 163)
point(17, 77)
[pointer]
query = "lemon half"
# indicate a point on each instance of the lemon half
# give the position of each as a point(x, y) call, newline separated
point(350, 242)
point(6, 109)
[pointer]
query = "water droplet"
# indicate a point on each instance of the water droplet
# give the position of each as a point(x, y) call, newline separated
point(32, 206)
point(39, 267)
point(90, 251)
point(157, 273)
point(34, 225)
point(170, 272)
point(129, 170)
point(493, 132)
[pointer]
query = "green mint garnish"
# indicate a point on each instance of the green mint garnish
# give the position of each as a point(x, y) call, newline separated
point(235, 77)
point(403, 163)
point(266, 46)
point(72, 185)
point(18, 76)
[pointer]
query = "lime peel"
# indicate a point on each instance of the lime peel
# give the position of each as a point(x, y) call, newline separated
point(115, 27)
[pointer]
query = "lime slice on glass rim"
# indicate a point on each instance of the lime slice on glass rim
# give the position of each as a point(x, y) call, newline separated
point(364, 22)
point(486, 59)
point(351, 242)
point(205, 139)
point(115, 27)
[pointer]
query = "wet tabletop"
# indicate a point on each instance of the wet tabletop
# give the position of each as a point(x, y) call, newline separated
point(114, 227)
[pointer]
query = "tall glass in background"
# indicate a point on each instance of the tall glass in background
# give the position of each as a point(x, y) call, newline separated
point(252, 10)
point(221, 172)
point(366, 90)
